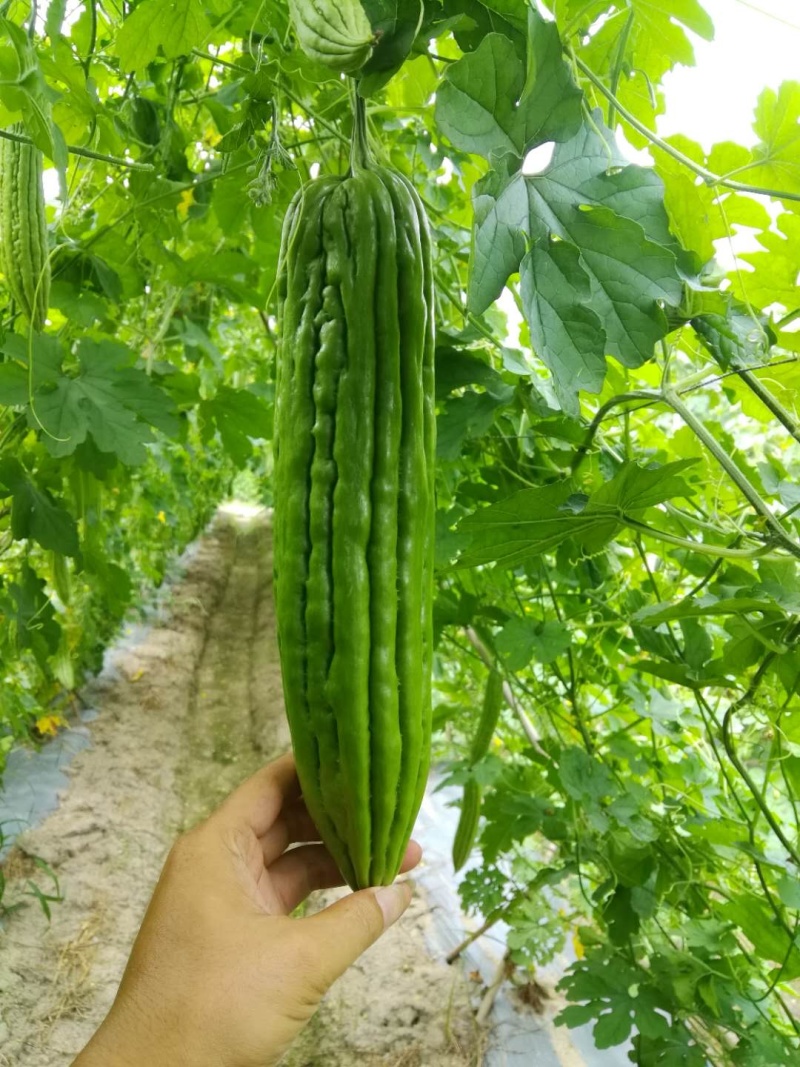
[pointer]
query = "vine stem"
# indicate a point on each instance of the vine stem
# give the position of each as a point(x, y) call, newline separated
point(733, 756)
point(701, 547)
point(87, 62)
point(594, 426)
point(152, 346)
point(730, 468)
point(86, 153)
point(671, 398)
point(359, 149)
point(771, 402)
point(708, 176)
point(493, 918)
point(615, 76)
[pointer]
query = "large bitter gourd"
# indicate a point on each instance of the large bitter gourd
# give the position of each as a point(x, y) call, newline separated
point(354, 506)
point(23, 228)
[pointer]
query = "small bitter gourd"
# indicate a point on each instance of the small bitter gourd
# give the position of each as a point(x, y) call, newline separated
point(23, 228)
point(471, 802)
point(336, 33)
point(490, 713)
point(467, 823)
point(354, 507)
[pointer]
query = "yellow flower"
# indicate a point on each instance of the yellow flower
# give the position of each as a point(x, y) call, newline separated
point(48, 725)
point(161, 517)
point(577, 944)
point(186, 201)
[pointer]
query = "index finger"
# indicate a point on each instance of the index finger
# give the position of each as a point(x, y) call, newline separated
point(258, 801)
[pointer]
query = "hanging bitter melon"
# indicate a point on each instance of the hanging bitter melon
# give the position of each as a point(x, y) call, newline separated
point(23, 228)
point(354, 507)
point(336, 33)
point(467, 828)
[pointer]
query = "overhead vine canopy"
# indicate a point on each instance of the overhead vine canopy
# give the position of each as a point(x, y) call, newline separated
point(617, 525)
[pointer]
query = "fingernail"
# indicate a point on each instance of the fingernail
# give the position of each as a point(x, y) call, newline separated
point(393, 901)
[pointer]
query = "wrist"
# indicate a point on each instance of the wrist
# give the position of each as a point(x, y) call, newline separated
point(120, 1042)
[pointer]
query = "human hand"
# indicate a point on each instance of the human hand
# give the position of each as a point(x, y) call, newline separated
point(219, 973)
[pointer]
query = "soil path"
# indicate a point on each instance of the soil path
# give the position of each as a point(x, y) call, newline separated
point(187, 710)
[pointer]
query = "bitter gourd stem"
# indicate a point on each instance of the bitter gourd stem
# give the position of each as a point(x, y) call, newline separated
point(360, 155)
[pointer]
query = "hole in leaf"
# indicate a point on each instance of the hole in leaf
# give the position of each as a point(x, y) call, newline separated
point(538, 159)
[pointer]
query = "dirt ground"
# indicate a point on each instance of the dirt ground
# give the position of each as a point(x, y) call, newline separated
point(186, 713)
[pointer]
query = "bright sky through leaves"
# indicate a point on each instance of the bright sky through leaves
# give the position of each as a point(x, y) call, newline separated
point(756, 44)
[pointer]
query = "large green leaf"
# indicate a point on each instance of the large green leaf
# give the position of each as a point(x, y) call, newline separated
point(153, 27)
point(653, 36)
point(566, 334)
point(534, 521)
point(114, 402)
point(485, 105)
point(26, 603)
point(34, 513)
point(776, 158)
point(586, 171)
point(397, 23)
point(615, 219)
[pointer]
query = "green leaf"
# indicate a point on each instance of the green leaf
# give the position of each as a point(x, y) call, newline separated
point(173, 28)
point(615, 217)
point(565, 334)
point(698, 646)
point(397, 22)
point(510, 817)
point(774, 279)
point(115, 582)
point(528, 523)
point(34, 515)
point(587, 170)
point(465, 417)
point(25, 91)
point(656, 41)
point(523, 639)
point(481, 107)
point(789, 891)
point(109, 399)
point(635, 488)
point(28, 606)
point(760, 926)
point(512, 10)
point(239, 416)
point(623, 922)
point(456, 368)
point(533, 521)
point(473, 21)
point(655, 614)
point(585, 779)
point(738, 338)
point(14, 377)
point(54, 19)
point(776, 159)
point(679, 674)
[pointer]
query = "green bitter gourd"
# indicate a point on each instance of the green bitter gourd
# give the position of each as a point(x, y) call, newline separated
point(23, 228)
point(354, 507)
point(336, 33)
point(471, 802)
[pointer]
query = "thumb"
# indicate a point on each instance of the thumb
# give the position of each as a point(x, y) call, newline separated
point(347, 928)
